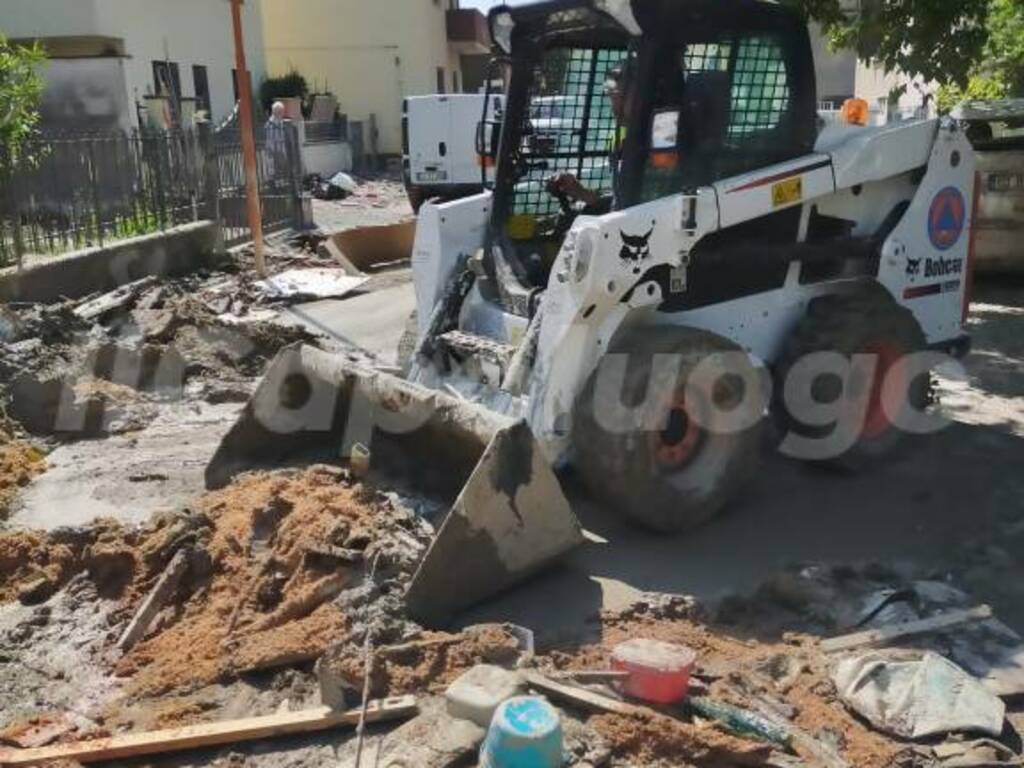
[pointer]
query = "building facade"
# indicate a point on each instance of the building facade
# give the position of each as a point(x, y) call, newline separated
point(106, 56)
point(372, 54)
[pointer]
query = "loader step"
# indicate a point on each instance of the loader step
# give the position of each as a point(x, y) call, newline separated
point(470, 345)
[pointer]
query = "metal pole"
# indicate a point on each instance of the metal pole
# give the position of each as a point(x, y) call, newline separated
point(252, 185)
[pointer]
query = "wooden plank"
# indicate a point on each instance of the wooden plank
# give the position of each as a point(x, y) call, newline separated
point(154, 602)
point(588, 700)
point(885, 635)
point(591, 675)
point(210, 734)
point(116, 299)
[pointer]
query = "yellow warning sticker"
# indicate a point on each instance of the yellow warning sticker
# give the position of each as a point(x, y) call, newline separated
point(788, 192)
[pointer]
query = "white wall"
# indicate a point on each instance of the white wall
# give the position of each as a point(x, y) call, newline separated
point(874, 84)
point(187, 32)
point(836, 72)
point(370, 53)
point(47, 18)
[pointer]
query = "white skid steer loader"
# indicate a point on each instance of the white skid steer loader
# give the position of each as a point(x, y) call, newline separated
point(642, 287)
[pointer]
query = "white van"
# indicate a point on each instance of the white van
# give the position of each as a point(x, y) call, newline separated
point(439, 143)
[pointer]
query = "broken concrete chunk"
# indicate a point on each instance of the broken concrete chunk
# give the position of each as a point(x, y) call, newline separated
point(434, 739)
point(477, 694)
point(914, 695)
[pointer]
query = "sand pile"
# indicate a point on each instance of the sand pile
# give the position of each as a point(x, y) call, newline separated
point(19, 463)
point(427, 664)
point(281, 546)
point(34, 565)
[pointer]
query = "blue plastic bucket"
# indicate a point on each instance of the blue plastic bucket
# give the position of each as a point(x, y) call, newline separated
point(525, 732)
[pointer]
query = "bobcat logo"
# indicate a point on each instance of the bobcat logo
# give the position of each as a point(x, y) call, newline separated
point(913, 267)
point(635, 248)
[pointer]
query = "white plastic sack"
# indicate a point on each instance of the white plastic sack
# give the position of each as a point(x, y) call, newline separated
point(343, 181)
point(315, 283)
point(914, 695)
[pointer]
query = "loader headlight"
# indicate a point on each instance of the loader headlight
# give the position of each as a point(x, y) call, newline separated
point(502, 25)
point(584, 254)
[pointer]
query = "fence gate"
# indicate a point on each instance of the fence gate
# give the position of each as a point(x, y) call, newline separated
point(279, 169)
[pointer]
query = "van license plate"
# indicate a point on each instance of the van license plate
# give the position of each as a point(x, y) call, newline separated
point(432, 176)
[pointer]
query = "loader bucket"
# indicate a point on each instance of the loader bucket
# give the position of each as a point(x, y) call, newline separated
point(508, 516)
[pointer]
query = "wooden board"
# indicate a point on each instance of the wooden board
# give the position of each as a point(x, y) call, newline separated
point(588, 700)
point(874, 637)
point(209, 734)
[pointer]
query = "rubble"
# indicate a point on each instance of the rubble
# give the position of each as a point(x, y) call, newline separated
point(262, 599)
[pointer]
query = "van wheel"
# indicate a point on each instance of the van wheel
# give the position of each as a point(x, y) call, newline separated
point(675, 463)
point(866, 322)
point(416, 198)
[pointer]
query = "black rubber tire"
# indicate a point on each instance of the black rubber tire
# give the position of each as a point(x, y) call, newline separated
point(852, 323)
point(416, 198)
point(407, 343)
point(624, 470)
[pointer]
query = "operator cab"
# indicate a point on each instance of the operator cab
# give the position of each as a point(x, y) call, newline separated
point(705, 90)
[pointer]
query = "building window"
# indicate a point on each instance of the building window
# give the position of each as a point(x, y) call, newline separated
point(167, 80)
point(455, 82)
point(201, 82)
point(440, 80)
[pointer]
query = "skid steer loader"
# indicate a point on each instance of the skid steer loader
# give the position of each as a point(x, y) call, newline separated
point(645, 279)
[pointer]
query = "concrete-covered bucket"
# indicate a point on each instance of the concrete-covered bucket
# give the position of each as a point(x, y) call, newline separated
point(508, 516)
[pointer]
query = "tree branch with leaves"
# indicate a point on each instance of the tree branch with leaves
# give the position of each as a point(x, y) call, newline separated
point(21, 88)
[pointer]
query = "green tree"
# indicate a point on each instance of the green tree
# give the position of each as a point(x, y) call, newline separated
point(938, 40)
point(1000, 72)
point(21, 87)
point(1003, 60)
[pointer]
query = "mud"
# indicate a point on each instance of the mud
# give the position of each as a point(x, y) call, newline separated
point(788, 673)
point(661, 740)
point(428, 663)
point(20, 461)
point(35, 565)
point(267, 600)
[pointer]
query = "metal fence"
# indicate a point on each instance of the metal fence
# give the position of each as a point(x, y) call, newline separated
point(279, 169)
point(60, 193)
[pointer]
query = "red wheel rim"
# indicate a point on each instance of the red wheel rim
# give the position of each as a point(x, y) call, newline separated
point(876, 420)
point(680, 439)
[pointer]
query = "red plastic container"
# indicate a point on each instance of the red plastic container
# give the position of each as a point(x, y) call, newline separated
point(658, 672)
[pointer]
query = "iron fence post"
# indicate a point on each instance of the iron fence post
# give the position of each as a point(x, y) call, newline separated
point(210, 179)
point(97, 214)
point(294, 155)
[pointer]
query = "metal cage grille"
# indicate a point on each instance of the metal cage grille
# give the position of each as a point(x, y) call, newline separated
point(760, 87)
point(570, 127)
point(738, 91)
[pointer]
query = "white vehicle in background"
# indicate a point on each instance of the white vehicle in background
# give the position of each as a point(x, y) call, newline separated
point(439, 144)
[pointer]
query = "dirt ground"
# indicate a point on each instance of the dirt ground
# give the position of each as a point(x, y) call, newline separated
point(294, 566)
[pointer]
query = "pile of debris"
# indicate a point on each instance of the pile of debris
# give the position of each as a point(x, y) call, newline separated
point(99, 366)
point(288, 587)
